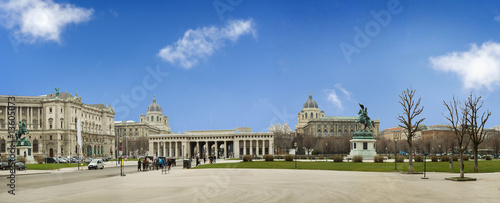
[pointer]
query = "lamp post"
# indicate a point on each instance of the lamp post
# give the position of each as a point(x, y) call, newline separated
point(395, 155)
point(295, 145)
point(326, 146)
point(425, 167)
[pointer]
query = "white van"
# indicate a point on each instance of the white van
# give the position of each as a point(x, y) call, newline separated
point(96, 163)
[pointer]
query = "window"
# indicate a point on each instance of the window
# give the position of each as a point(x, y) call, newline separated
point(340, 133)
point(35, 146)
point(306, 115)
point(157, 118)
point(331, 133)
point(2, 145)
point(365, 145)
point(51, 137)
point(319, 133)
point(50, 123)
point(1, 123)
point(312, 115)
point(50, 110)
point(325, 133)
point(316, 115)
point(152, 118)
point(354, 145)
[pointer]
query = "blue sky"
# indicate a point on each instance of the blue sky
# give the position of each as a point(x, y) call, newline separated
point(253, 63)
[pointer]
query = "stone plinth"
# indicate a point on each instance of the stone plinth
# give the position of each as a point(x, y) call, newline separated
point(363, 144)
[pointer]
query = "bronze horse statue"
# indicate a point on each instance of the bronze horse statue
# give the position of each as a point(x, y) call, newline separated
point(364, 118)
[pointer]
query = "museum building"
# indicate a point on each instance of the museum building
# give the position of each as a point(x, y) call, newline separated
point(312, 121)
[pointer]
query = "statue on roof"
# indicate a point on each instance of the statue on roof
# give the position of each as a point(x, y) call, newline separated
point(22, 130)
point(57, 91)
point(364, 118)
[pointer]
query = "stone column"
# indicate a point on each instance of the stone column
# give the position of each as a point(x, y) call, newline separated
point(271, 148)
point(170, 149)
point(176, 151)
point(257, 147)
point(244, 147)
point(251, 147)
point(236, 148)
point(206, 148)
point(164, 152)
point(225, 149)
point(150, 150)
point(197, 148)
point(216, 149)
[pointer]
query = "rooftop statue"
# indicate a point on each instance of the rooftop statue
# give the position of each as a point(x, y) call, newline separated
point(57, 91)
point(364, 118)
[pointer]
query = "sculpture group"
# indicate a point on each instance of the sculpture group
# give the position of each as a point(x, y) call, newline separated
point(364, 118)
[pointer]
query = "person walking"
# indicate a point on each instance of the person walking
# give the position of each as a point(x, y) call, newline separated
point(139, 165)
point(197, 162)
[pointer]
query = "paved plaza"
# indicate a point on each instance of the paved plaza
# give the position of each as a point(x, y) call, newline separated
point(267, 185)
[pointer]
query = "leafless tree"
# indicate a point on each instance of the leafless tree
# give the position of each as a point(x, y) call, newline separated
point(494, 143)
point(458, 118)
point(409, 122)
point(308, 142)
point(282, 139)
point(476, 124)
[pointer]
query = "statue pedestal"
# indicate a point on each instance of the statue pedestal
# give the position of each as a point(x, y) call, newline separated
point(363, 144)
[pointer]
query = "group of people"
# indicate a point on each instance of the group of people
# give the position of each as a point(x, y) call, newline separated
point(157, 163)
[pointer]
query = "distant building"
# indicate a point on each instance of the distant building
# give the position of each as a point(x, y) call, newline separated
point(51, 121)
point(130, 132)
point(311, 121)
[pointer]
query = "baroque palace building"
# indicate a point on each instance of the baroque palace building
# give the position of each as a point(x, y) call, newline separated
point(311, 121)
point(129, 133)
point(51, 121)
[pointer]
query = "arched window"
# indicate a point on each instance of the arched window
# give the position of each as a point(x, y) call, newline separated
point(325, 133)
point(50, 123)
point(316, 115)
point(312, 115)
point(340, 133)
point(319, 133)
point(1, 123)
point(157, 118)
point(306, 115)
point(331, 133)
point(152, 118)
point(62, 123)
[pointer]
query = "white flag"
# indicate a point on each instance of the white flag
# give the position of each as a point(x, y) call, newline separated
point(79, 133)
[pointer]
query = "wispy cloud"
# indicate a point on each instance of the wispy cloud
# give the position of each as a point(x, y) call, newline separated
point(343, 90)
point(334, 98)
point(114, 13)
point(477, 68)
point(497, 18)
point(40, 20)
point(203, 42)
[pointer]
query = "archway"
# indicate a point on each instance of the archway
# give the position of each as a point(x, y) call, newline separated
point(51, 152)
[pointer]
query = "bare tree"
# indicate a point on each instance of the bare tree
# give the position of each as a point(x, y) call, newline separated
point(308, 142)
point(476, 124)
point(409, 122)
point(458, 119)
point(494, 143)
point(282, 139)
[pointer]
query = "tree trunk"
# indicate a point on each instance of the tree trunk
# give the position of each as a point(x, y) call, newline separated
point(461, 164)
point(476, 166)
point(410, 164)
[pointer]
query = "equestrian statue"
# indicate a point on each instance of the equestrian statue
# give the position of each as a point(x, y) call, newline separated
point(364, 118)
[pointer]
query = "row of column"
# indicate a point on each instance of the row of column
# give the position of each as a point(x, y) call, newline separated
point(29, 116)
point(250, 145)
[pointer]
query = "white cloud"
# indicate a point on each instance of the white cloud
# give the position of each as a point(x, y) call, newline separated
point(34, 20)
point(343, 90)
point(497, 18)
point(334, 98)
point(477, 68)
point(203, 42)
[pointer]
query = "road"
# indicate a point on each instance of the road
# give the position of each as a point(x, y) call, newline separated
point(49, 179)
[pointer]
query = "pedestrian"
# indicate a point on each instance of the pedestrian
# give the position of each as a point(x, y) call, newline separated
point(197, 162)
point(204, 160)
point(139, 165)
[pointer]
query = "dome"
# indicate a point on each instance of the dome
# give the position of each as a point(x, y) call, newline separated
point(310, 103)
point(154, 106)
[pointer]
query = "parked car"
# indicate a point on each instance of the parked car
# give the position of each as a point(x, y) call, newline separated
point(20, 166)
point(96, 163)
point(5, 166)
point(63, 160)
point(51, 160)
point(87, 160)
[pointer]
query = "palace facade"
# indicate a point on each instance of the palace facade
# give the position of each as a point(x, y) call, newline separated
point(51, 121)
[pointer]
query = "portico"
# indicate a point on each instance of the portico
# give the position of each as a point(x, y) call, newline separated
point(220, 143)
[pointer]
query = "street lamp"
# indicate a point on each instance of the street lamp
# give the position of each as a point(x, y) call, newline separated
point(395, 155)
point(326, 146)
point(295, 145)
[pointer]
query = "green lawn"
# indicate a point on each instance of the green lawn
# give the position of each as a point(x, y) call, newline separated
point(484, 166)
point(52, 166)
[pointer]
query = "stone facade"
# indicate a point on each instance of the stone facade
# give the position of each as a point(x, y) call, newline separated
point(311, 121)
point(224, 143)
point(51, 122)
